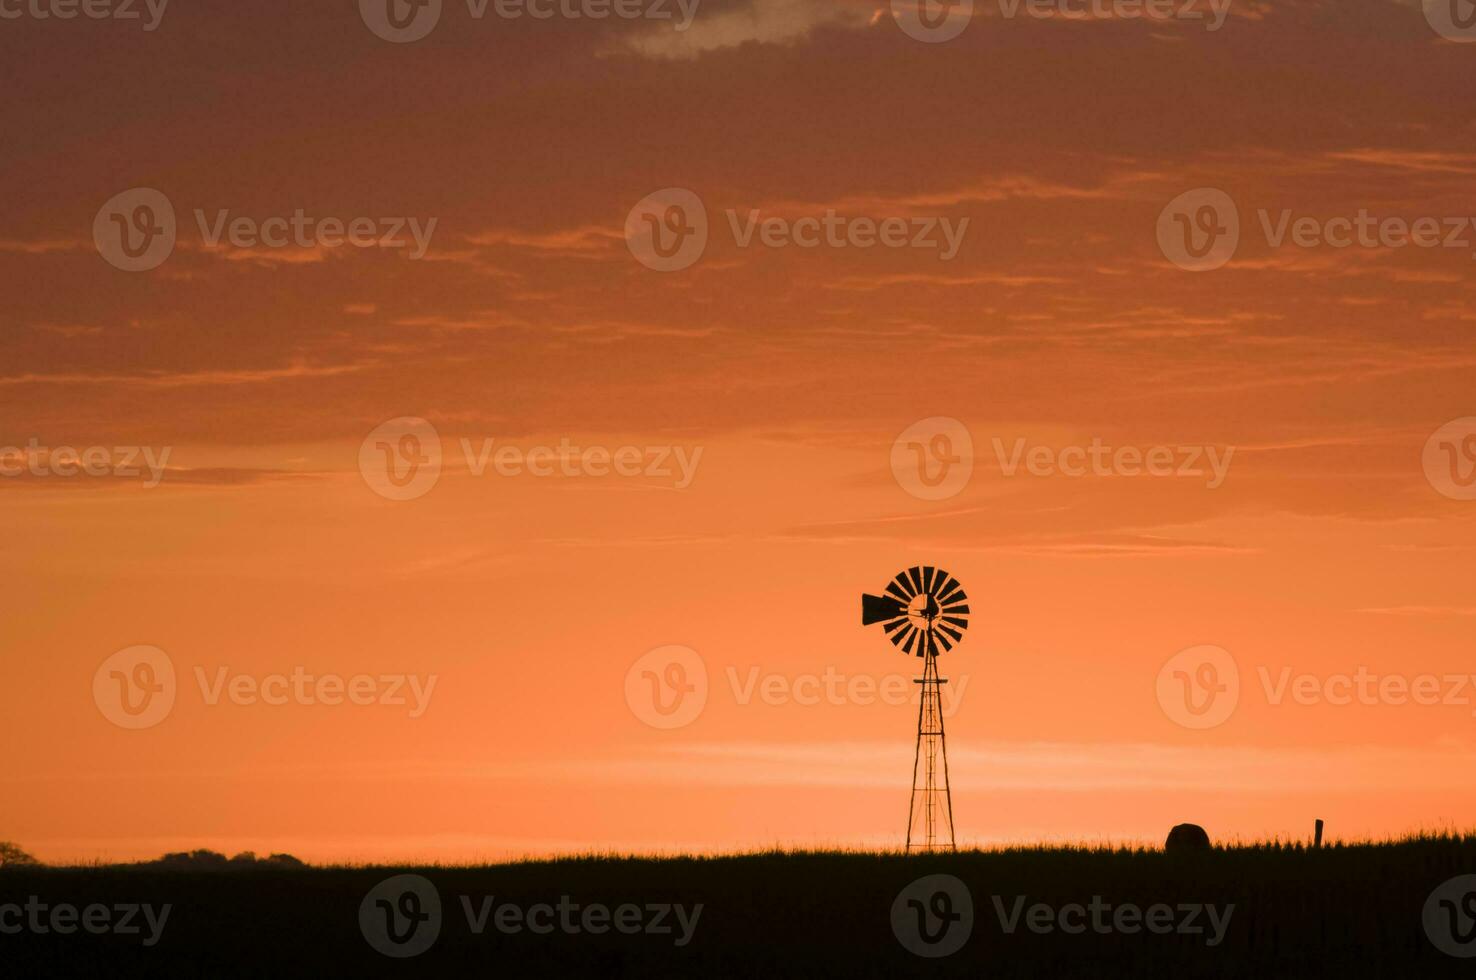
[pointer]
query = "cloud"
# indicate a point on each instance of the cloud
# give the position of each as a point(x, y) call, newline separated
point(784, 22)
point(220, 476)
point(44, 247)
point(1417, 161)
point(574, 241)
point(1421, 611)
point(1008, 280)
point(243, 376)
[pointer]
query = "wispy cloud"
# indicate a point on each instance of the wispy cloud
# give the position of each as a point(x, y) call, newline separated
point(753, 22)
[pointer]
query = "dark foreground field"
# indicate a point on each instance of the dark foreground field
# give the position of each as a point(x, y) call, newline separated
point(1355, 911)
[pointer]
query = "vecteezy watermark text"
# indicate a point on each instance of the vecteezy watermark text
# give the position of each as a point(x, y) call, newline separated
point(1201, 687)
point(668, 230)
point(1105, 918)
point(1200, 230)
point(89, 9)
point(64, 919)
point(407, 21)
point(1099, 459)
point(402, 917)
point(137, 231)
point(936, 21)
point(1155, 10)
point(302, 230)
point(95, 461)
point(568, 459)
point(668, 688)
point(934, 917)
point(402, 460)
point(835, 230)
point(136, 688)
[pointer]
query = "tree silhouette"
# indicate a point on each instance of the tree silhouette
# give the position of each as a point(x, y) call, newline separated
point(12, 856)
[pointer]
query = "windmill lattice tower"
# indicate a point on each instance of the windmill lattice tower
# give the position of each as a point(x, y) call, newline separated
point(925, 612)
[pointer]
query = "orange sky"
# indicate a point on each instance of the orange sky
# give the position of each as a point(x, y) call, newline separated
point(1327, 547)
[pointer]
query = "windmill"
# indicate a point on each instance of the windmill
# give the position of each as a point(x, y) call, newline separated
point(924, 612)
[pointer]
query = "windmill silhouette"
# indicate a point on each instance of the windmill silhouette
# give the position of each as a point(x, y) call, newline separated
point(924, 612)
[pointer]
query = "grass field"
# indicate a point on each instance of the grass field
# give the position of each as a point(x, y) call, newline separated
point(1275, 911)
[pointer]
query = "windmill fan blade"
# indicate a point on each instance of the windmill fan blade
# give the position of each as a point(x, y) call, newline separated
point(915, 574)
point(942, 638)
point(876, 609)
point(928, 583)
point(894, 624)
point(904, 585)
point(902, 637)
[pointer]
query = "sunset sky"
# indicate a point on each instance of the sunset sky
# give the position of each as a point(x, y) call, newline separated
point(1334, 542)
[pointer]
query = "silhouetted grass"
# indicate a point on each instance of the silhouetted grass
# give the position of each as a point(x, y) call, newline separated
point(1345, 910)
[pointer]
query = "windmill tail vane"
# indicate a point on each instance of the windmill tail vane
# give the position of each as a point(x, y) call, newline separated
point(924, 612)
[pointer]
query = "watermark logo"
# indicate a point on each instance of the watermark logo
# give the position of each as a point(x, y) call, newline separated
point(1454, 20)
point(406, 21)
point(933, 916)
point(135, 688)
point(1104, 918)
point(572, 919)
point(836, 689)
point(63, 919)
point(401, 916)
point(91, 9)
point(933, 459)
point(302, 687)
point(136, 230)
point(401, 21)
point(96, 461)
point(667, 230)
point(401, 458)
point(1151, 10)
point(1449, 459)
point(667, 687)
point(1100, 459)
point(1367, 687)
point(1199, 687)
point(835, 230)
point(932, 21)
point(1199, 230)
point(1450, 917)
point(676, 463)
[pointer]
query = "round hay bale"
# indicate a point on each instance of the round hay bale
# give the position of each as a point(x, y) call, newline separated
point(1186, 837)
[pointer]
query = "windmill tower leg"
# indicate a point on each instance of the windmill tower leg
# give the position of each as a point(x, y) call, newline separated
point(930, 812)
